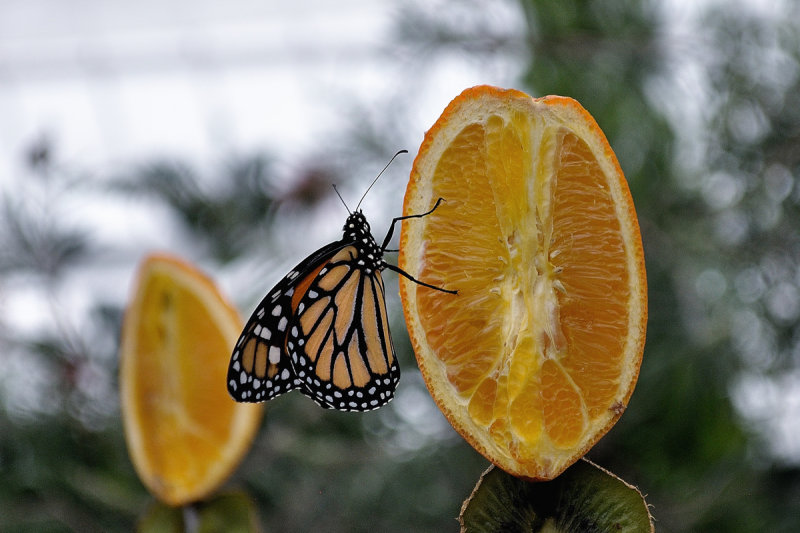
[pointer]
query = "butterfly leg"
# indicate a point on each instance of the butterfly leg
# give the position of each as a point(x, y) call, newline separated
point(415, 280)
point(395, 220)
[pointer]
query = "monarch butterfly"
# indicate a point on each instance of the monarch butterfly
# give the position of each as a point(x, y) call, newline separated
point(323, 329)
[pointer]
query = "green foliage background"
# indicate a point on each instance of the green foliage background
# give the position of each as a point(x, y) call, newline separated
point(713, 166)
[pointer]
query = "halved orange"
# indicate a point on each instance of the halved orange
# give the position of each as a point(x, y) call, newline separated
point(537, 356)
point(185, 434)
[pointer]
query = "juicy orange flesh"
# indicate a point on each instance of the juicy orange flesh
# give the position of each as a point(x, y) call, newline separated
point(534, 353)
point(179, 417)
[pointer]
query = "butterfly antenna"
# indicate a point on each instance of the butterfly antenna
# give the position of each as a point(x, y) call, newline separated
point(342, 199)
point(378, 176)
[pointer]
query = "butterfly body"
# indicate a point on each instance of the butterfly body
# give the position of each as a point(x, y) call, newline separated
point(323, 329)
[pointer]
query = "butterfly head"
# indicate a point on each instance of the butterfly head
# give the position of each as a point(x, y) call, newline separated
point(356, 227)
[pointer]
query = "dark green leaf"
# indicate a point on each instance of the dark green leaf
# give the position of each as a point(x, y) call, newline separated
point(584, 498)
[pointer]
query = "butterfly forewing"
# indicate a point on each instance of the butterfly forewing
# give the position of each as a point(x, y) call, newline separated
point(260, 369)
point(339, 339)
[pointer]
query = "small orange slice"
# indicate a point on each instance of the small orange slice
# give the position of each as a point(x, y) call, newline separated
point(185, 434)
point(536, 357)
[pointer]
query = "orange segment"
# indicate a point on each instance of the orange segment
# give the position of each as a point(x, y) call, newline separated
point(536, 357)
point(185, 434)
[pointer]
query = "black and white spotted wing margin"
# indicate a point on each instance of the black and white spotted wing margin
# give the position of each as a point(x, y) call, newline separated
point(323, 330)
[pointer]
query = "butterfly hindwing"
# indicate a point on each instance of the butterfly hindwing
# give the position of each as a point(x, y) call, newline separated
point(339, 338)
point(260, 368)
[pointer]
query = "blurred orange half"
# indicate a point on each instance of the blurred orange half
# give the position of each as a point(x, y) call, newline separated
point(185, 434)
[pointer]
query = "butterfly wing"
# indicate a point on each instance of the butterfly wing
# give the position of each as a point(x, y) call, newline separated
point(260, 368)
point(339, 340)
